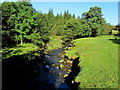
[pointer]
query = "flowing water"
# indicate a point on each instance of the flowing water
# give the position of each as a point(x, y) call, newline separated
point(50, 75)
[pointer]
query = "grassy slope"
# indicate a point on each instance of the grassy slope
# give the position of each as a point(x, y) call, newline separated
point(99, 59)
point(20, 49)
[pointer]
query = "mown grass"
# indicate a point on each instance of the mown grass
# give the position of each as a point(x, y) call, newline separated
point(99, 61)
point(54, 43)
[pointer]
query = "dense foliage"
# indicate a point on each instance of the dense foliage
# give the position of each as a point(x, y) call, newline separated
point(21, 23)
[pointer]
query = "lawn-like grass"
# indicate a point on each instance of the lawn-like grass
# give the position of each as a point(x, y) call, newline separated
point(99, 61)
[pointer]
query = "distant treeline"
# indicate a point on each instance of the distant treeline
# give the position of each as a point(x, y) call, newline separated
point(21, 23)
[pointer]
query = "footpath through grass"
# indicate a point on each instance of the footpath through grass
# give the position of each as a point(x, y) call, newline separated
point(99, 61)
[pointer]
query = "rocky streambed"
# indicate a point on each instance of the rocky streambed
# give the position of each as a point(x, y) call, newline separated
point(55, 72)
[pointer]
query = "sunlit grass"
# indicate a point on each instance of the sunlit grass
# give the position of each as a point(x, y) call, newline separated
point(20, 49)
point(26, 48)
point(114, 31)
point(99, 62)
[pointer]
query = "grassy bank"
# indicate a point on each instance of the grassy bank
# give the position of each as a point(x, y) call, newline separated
point(99, 61)
point(20, 49)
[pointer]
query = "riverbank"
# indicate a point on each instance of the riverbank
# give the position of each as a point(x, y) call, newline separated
point(72, 66)
point(51, 75)
point(29, 68)
point(98, 60)
point(56, 72)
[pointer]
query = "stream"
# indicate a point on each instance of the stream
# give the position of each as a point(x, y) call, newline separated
point(53, 70)
point(50, 76)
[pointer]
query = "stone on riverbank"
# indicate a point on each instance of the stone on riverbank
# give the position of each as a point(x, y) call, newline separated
point(61, 61)
point(65, 75)
point(61, 66)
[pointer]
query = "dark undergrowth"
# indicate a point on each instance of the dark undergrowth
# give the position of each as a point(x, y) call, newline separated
point(18, 71)
point(70, 79)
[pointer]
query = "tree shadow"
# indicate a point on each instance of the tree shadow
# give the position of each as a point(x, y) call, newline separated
point(45, 80)
point(117, 35)
point(26, 72)
point(18, 70)
point(116, 40)
point(70, 79)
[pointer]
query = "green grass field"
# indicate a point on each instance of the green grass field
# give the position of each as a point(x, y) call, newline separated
point(99, 61)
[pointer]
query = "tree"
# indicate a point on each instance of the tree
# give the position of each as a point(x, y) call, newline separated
point(40, 33)
point(86, 29)
point(94, 19)
point(73, 28)
point(17, 20)
point(51, 22)
point(8, 24)
point(24, 21)
point(66, 15)
point(59, 21)
point(107, 29)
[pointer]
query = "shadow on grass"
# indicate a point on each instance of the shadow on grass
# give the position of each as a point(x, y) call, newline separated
point(117, 39)
point(70, 79)
point(18, 70)
point(117, 35)
point(20, 46)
